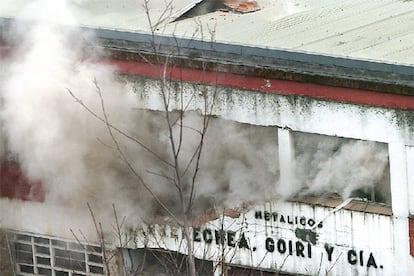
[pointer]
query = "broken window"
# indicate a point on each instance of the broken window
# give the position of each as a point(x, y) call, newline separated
point(239, 162)
point(349, 168)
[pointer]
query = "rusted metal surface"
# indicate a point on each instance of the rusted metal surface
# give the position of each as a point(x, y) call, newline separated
point(242, 6)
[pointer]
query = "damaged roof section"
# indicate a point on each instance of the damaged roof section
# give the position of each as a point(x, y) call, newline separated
point(242, 6)
point(208, 6)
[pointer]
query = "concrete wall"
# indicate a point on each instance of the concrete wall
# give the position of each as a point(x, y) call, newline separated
point(386, 237)
point(294, 238)
point(294, 112)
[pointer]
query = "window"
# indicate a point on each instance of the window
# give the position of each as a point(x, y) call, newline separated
point(327, 166)
point(38, 255)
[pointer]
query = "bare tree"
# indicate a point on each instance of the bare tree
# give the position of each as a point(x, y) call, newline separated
point(176, 97)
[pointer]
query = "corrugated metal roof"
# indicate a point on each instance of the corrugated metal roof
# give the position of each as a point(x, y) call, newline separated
point(375, 30)
point(381, 30)
point(114, 14)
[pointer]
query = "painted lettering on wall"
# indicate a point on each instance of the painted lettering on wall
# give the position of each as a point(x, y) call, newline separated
point(220, 237)
point(289, 247)
point(285, 247)
point(288, 219)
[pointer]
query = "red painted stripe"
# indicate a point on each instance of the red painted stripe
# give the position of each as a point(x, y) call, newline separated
point(283, 87)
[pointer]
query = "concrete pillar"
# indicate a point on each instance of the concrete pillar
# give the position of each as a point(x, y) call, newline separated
point(399, 197)
point(410, 178)
point(398, 179)
point(287, 184)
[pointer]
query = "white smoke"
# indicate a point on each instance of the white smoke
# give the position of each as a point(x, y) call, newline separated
point(71, 153)
point(57, 142)
point(328, 165)
point(241, 161)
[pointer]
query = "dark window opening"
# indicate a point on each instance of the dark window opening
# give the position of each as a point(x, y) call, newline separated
point(43, 261)
point(26, 269)
point(96, 269)
point(44, 271)
point(151, 262)
point(42, 250)
point(94, 258)
point(246, 271)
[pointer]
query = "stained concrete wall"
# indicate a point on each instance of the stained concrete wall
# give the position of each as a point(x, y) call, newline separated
point(297, 113)
point(392, 126)
point(291, 237)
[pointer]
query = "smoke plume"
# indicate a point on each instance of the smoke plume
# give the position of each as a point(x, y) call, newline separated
point(343, 166)
point(52, 138)
point(60, 144)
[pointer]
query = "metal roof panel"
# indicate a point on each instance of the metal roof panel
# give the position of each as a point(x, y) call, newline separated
point(379, 30)
point(373, 30)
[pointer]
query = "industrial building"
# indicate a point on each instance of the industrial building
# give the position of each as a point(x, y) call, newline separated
point(309, 166)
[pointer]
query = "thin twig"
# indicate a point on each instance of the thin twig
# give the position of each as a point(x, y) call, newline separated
point(99, 232)
point(123, 133)
point(125, 159)
point(76, 238)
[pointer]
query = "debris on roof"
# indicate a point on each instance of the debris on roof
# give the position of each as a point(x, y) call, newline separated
point(242, 6)
point(202, 7)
